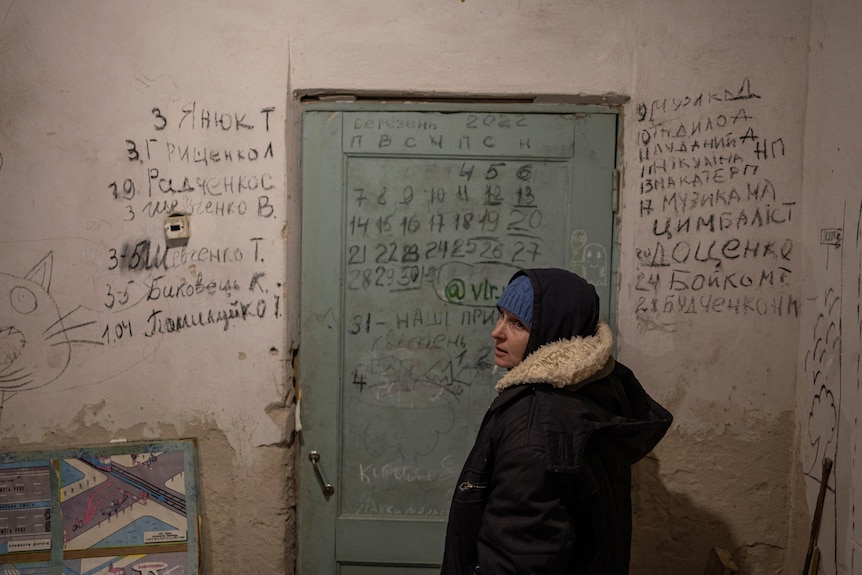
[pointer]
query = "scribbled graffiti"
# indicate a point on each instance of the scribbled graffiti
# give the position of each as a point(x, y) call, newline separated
point(35, 342)
point(831, 367)
point(822, 364)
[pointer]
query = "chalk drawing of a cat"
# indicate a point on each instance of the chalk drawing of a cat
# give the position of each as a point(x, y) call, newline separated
point(35, 348)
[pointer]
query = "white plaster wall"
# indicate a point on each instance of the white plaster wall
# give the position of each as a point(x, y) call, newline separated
point(78, 81)
point(828, 393)
point(79, 78)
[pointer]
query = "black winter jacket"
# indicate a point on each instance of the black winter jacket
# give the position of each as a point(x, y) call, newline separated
point(546, 488)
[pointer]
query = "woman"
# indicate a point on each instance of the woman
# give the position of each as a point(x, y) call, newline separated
point(547, 486)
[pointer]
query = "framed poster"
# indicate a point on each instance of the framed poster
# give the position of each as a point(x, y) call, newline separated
point(118, 509)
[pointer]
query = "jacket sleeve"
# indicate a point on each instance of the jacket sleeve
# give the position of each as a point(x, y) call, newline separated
point(525, 526)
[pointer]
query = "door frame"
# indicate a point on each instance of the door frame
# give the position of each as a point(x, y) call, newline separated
point(322, 439)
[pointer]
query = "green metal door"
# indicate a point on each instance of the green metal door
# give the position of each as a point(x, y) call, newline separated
point(413, 219)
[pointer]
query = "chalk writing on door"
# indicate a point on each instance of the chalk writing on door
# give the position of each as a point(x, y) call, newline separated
point(440, 211)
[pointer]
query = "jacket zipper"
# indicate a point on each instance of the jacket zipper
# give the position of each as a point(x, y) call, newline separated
point(467, 486)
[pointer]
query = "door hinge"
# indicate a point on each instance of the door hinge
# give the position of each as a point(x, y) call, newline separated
point(615, 187)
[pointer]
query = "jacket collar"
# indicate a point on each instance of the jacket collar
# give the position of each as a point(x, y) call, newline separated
point(565, 363)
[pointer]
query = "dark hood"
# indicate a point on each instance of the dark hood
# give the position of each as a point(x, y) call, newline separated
point(564, 306)
point(569, 351)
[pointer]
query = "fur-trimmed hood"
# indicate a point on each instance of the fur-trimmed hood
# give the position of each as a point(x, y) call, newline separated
point(566, 363)
point(568, 345)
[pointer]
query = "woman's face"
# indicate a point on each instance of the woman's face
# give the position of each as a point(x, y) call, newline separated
point(510, 340)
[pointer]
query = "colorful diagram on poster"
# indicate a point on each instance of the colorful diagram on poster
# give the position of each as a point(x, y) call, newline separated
point(123, 508)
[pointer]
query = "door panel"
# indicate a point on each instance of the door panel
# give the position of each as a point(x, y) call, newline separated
point(414, 218)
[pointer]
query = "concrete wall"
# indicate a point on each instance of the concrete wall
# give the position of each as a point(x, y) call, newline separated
point(828, 394)
point(723, 272)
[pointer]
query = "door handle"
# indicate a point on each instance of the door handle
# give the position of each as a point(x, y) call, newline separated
point(325, 486)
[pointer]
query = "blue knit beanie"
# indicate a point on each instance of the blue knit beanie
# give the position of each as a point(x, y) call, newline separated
point(517, 299)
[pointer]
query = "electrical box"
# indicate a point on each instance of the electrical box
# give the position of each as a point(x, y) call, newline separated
point(177, 230)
